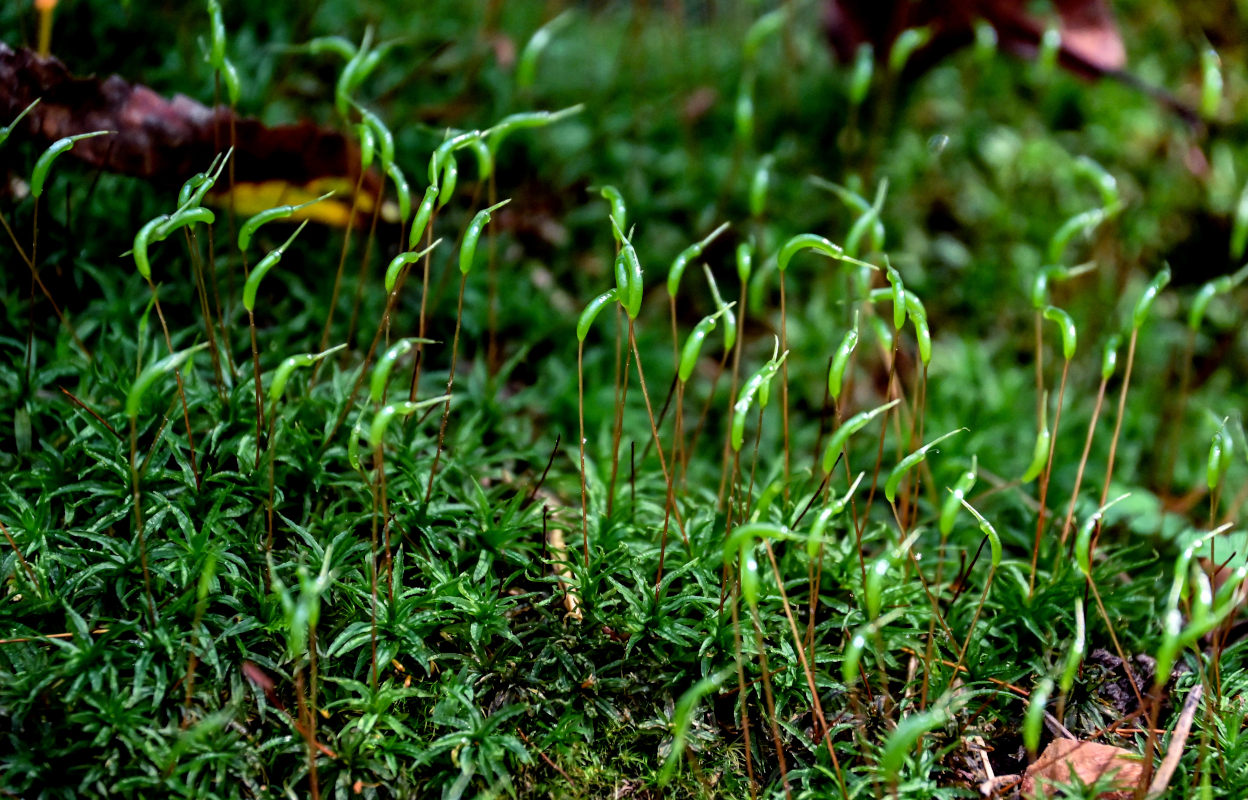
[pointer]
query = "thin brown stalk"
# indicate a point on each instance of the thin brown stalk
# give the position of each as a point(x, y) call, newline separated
point(770, 699)
point(424, 296)
point(1113, 443)
point(34, 274)
point(201, 291)
point(580, 411)
point(90, 411)
point(744, 698)
point(816, 706)
point(368, 252)
point(658, 444)
point(1083, 461)
point(138, 522)
point(17, 551)
point(784, 388)
point(342, 263)
point(732, 394)
point(1042, 514)
point(450, 384)
point(621, 396)
point(255, 362)
point(177, 374)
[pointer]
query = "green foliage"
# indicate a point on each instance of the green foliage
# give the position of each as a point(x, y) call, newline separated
point(390, 611)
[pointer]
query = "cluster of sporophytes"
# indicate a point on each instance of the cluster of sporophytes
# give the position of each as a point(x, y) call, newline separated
point(318, 529)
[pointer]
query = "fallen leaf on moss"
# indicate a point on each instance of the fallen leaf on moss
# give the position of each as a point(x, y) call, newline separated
point(1064, 760)
point(167, 140)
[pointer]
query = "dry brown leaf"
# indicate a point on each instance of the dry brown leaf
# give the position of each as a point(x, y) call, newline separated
point(167, 140)
point(1066, 759)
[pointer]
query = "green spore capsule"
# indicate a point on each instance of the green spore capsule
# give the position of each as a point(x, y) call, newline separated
point(619, 212)
point(526, 65)
point(526, 119)
point(759, 184)
point(192, 192)
point(1109, 356)
point(1083, 540)
point(253, 224)
point(347, 78)
point(849, 428)
point(183, 219)
point(690, 253)
point(368, 144)
point(745, 262)
point(730, 319)
point(840, 360)
point(908, 41)
point(904, 737)
point(285, 369)
point(1033, 721)
point(1050, 46)
point(262, 268)
point(591, 311)
point(1211, 83)
point(134, 398)
point(188, 189)
point(1040, 451)
point(741, 543)
point(1145, 303)
point(450, 178)
point(1220, 449)
point(909, 462)
point(401, 190)
point(1239, 226)
point(385, 364)
point(216, 52)
point(468, 251)
point(985, 41)
point(485, 159)
point(400, 261)
point(1065, 324)
point(43, 164)
point(922, 331)
point(693, 345)
point(764, 27)
point(445, 152)
point(1082, 223)
point(377, 430)
point(985, 527)
point(1074, 656)
point(756, 386)
point(834, 509)
point(806, 241)
point(629, 267)
point(337, 45)
point(957, 493)
point(1105, 183)
point(145, 236)
point(860, 76)
point(353, 443)
point(7, 130)
point(868, 221)
point(873, 591)
point(233, 85)
point(424, 213)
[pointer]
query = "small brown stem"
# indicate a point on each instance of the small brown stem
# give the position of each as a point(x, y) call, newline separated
point(580, 409)
point(342, 263)
point(658, 445)
point(30, 573)
point(1083, 461)
point(1113, 444)
point(450, 384)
